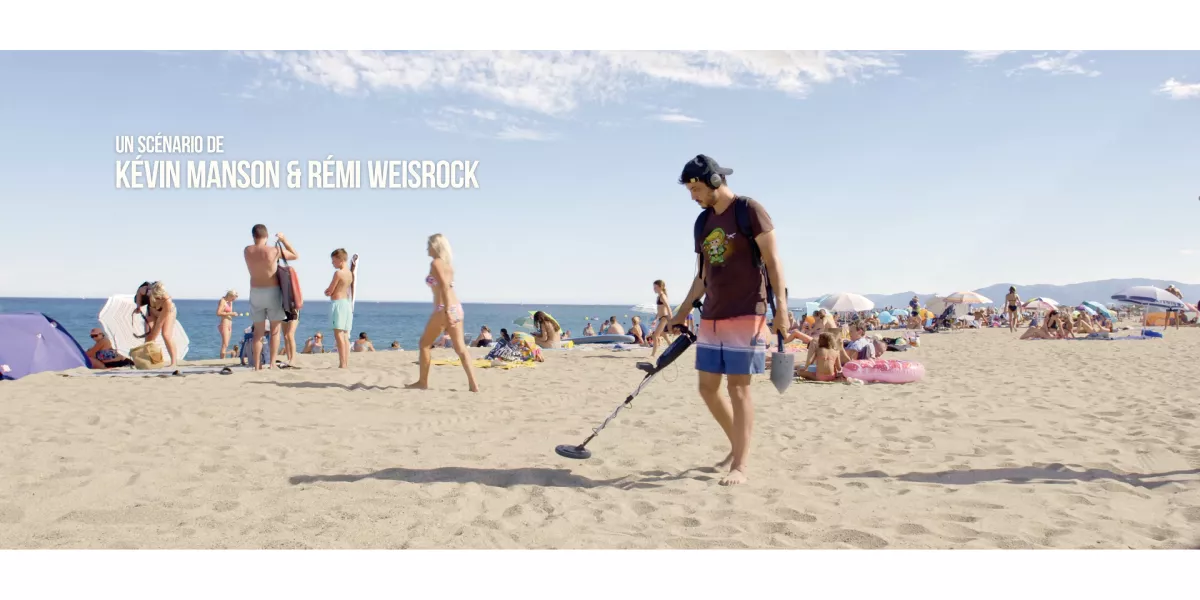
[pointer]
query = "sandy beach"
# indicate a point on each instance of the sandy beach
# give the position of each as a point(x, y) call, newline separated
point(1005, 444)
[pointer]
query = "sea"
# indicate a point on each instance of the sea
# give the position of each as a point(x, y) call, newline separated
point(384, 322)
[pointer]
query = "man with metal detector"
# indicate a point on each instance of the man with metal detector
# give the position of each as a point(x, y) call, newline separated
point(737, 265)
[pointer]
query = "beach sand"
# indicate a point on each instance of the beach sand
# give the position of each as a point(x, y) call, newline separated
point(1005, 444)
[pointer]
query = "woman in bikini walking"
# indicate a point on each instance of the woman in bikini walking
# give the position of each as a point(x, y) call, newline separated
point(663, 306)
point(447, 313)
point(1014, 302)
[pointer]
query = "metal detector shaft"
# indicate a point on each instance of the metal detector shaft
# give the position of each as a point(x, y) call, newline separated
point(628, 403)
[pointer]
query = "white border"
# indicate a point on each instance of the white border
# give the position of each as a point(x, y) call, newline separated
point(607, 25)
point(613, 575)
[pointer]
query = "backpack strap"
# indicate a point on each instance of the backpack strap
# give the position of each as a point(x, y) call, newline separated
point(279, 245)
point(741, 213)
point(698, 234)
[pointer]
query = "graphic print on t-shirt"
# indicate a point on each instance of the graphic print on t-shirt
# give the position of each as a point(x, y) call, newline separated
point(718, 246)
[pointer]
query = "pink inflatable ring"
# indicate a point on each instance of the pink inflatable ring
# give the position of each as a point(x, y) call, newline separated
point(884, 371)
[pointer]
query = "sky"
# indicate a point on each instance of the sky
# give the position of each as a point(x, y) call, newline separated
point(883, 172)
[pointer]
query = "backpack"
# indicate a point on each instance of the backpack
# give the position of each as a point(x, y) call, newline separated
point(289, 284)
point(741, 214)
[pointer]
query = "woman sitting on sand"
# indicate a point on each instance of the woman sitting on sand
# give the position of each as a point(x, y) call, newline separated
point(160, 319)
point(362, 344)
point(102, 355)
point(549, 333)
point(313, 345)
point(484, 339)
point(1042, 331)
point(828, 360)
point(447, 313)
point(1084, 323)
point(635, 330)
point(225, 325)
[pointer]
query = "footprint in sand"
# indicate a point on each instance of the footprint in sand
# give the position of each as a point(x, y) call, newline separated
point(858, 539)
point(911, 529)
point(1191, 513)
point(642, 508)
point(225, 506)
point(791, 514)
point(513, 511)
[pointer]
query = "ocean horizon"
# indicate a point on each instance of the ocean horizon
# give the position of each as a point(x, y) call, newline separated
point(382, 321)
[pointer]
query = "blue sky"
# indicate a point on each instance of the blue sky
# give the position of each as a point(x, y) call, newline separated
point(930, 171)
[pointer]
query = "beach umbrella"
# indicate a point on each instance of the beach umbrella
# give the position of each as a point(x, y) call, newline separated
point(1148, 295)
point(966, 298)
point(901, 312)
point(1084, 308)
point(886, 318)
point(1096, 306)
point(1041, 303)
point(846, 302)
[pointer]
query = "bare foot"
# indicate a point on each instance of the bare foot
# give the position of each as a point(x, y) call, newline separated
point(735, 477)
point(417, 386)
point(475, 388)
point(725, 464)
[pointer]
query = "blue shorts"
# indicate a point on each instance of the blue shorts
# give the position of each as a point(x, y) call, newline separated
point(733, 346)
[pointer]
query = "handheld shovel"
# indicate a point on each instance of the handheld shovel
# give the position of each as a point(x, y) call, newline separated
point(783, 367)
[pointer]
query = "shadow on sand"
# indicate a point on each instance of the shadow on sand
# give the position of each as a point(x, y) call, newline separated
point(1048, 474)
point(326, 385)
point(504, 478)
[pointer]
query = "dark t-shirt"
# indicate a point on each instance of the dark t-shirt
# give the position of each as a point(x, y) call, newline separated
point(733, 285)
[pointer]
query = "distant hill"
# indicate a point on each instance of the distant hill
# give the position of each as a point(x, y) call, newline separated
point(1074, 293)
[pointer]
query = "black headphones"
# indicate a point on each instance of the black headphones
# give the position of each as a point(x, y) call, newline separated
point(714, 180)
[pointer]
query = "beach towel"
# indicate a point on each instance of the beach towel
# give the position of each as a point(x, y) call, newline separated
point(196, 370)
point(484, 363)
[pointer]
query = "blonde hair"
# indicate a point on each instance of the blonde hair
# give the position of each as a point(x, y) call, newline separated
point(157, 292)
point(662, 285)
point(441, 248)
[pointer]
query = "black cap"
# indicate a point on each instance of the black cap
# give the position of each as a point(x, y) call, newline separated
point(700, 168)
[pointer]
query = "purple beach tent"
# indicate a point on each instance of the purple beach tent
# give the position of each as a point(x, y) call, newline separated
point(33, 343)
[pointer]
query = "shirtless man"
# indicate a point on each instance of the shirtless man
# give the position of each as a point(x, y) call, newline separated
point(266, 300)
point(341, 315)
point(615, 328)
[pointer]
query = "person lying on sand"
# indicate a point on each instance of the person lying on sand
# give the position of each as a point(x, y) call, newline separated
point(826, 357)
point(102, 355)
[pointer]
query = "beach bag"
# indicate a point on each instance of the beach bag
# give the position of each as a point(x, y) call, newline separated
point(289, 285)
point(147, 356)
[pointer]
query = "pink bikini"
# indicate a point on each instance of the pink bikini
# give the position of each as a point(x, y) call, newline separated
point(455, 311)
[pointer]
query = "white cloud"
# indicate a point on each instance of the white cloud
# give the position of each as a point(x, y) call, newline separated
point(514, 132)
point(985, 56)
point(557, 83)
point(678, 118)
point(486, 124)
point(1061, 64)
point(1179, 90)
point(1186, 252)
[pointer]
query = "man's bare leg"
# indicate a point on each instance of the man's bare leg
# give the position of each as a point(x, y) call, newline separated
point(343, 346)
point(256, 358)
point(276, 329)
point(710, 390)
point(743, 426)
